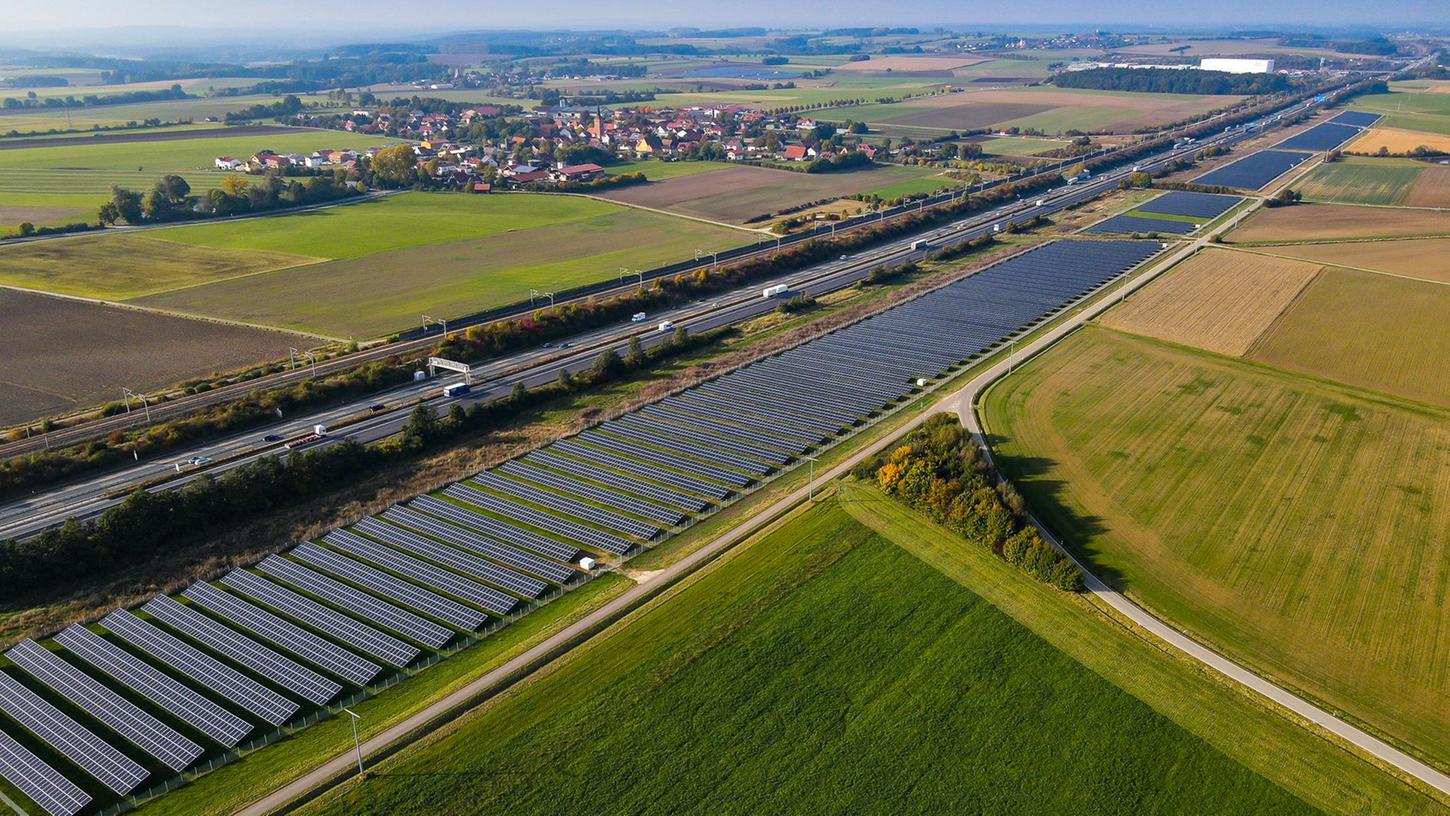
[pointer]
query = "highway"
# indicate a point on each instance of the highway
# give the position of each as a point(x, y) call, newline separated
point(495, 379)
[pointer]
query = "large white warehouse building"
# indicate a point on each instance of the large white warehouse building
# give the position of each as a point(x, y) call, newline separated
point(1238, 66)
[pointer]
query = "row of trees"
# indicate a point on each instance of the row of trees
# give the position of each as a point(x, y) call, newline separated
point(939, 470)
point(171, 198)
point(1185, 81)
point(31, 100)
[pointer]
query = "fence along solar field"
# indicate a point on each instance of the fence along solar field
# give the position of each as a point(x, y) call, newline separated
point(443, 568)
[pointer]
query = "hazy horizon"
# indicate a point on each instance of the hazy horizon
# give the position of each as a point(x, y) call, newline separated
point(67, 21)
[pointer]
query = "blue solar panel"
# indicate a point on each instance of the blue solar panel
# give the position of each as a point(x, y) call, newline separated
point(1193, 205)
point(1131, 223)
point(1254, 170)
point(1356, 118)
point(1326, 136)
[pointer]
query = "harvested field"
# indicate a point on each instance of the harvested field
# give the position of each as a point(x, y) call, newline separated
point(119, 267)
point(1432, 190)
point(386, 291)
point(1299, 526)
point(736, 194)
point(62, 353)
point(1420, 258)
point(41, 215)
point(1216, 300)
point(1374, 331)
point(1362, 181)
point(1329, 222)
point(1397, 140)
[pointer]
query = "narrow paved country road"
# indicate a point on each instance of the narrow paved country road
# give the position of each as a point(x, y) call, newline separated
point(344, 765)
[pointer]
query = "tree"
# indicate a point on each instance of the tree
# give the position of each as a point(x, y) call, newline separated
point(108, 214)
point(422, 425)
point(681, 337)
point(27, 228)
point(127, 204)
point(235, 185)
point(635, 358)
point(607, 366)
point(395, 166)
point(519, 393)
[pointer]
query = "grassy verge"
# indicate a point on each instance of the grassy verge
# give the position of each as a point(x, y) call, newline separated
point(234, 785)
point(820, 669)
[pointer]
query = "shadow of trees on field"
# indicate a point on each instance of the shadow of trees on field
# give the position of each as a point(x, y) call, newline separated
point(1047, 501)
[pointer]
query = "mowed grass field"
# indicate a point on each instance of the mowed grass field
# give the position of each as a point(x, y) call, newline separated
point(1410, 106)
point(1298, 525)
point(821, 670)
point(1337, 222)
point(391, 260)
point(1353, 180)
point(734, 194)
point(62, 354)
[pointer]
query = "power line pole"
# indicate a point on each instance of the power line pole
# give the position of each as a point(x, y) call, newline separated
point(357, 743)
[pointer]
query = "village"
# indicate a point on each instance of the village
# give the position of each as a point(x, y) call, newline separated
point(478, 148)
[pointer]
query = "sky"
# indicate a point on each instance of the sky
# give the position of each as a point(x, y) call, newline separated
point(250, 18)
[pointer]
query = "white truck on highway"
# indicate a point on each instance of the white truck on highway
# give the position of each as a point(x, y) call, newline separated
point(775, 291)
point(919, 244)
point(666, 326)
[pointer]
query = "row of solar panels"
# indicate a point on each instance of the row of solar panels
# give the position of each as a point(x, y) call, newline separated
point(292, 631)
point(1331, 134)
point(1261, 167)
point(300, 627)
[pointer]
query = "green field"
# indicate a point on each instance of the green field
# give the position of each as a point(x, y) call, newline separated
point(443, 254)
point(1410, 109)
point(656, 170)
point(823, 669)
point(1299, 525)
point(28, 121)
point(1019, 146)
point(1354, 180)
point(91, 169)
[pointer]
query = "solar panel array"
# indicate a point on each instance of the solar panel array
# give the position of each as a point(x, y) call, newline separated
point(390, 586)
point(1124, 224)
point(44, 785)
point(242, 650)
point(1254, 170)
point(226, 682)
point(322, 618)
point(69, 738)
point(175, 698)
point(1324, 136)
point(1193, 205)
point(357, 602)
point(421, 571)
point(1356, 118)
point(114, 711)
point(460, 557)
point(315, 649)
